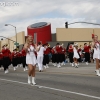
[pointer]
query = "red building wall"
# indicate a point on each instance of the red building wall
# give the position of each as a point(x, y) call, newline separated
point(43, 33)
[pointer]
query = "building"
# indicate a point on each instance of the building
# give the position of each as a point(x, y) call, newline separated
point(79, 35)
point(40, 31)
point(11, 41)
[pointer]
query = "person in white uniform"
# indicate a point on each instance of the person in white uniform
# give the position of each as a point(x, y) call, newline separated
point(30, 59)
point(40, 55)
point(76, 55)
point(96, 55)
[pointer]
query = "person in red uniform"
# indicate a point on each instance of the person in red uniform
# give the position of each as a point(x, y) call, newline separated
point(1, 60)
point(54, 53)
point(24, 59)
point(58, 56)
point(46, 56)
point(14, 59)
point(18, 58)
point(80, 53)
point(6, 52)
point(70, 51)
point(87, 53)
point(63, 52)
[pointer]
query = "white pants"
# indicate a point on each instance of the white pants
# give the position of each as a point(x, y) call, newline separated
point(40, 62)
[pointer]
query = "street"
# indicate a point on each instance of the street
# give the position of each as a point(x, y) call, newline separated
point(66, 83)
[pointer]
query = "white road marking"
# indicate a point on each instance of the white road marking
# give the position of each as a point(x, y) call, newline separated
point(50, 88)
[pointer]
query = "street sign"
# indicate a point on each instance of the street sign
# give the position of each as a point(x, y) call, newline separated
point(17, 44)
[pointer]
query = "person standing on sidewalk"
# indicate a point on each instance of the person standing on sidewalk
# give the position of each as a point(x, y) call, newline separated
point(96, 55)
point(30, 49)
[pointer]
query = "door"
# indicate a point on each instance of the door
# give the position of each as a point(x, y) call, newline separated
point(35, 37)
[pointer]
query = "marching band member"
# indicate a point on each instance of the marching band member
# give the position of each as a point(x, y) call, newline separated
point(5, 52)
point(70, 50)
point(58, 56)
point(1, 60)
point(19, 60)
point(31, 58)
point(54, 54)
point(46, 56)
point(63, 54)
point(76, 55)
point(96, 55)
point(24, 59)
point(14, 58)
point(87, 53)
point(40, 55)
point(80, 53)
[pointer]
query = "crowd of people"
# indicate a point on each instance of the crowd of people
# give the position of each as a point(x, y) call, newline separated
point(38, 55)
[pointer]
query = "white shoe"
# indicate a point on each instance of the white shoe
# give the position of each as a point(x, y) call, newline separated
point(2, 67)
point(58, 66)
point(87, 63)
point(76, 65)
point(14, 69)
point(17, 66)
point(64, 64)
point(45, 67)
point(33, 81)
point(29, 79)
point(20, 65)
point(24, 69)
point(6, 71)
point(72, 65)
point(55, 64)
point(11, 65)
point(98, 74)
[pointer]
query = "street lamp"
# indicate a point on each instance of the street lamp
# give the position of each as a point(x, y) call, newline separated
point(15, 31)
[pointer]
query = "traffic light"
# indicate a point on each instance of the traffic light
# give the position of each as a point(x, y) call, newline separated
point(66, 24)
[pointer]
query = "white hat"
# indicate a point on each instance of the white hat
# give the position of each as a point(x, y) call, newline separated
point(75, 44)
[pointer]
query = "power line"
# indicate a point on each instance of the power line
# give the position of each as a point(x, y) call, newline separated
point(7, 38)
point(84, 22)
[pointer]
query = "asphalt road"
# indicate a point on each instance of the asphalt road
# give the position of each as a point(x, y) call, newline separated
point(50, 86)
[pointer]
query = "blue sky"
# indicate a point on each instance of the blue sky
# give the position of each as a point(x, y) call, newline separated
point(57, 12)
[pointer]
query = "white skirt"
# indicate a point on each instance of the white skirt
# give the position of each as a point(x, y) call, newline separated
point(76, 55)
point(31, 59)
point(96, 55)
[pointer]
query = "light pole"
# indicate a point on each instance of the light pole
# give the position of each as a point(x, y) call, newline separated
point(15, 31)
